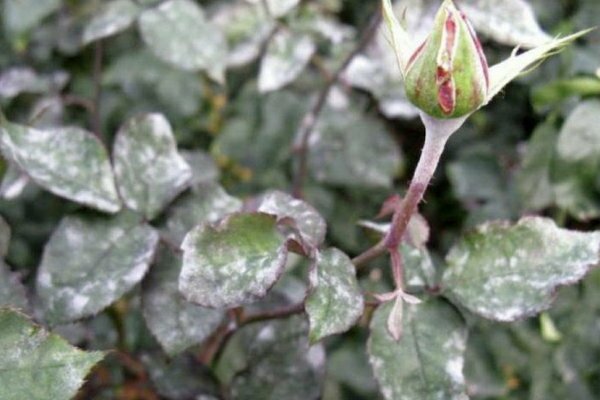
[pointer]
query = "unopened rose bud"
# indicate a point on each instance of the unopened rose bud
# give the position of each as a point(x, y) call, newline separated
point(447, 76)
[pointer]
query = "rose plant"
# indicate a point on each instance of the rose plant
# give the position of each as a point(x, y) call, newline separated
point(174, 206)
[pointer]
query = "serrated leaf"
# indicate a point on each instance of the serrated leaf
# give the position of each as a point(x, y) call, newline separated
point(69, 162)
point(206, 203)
point(233, 263)
point(176, 323)
point(89, 262)
point(20, 16)
point(114, 16)
point(281, 365)
point(342, 154)
point(36, 364)
point(178, 32)
point(427, 363)
point(307, 219)
point(335, 301)
point(510, 22)
point(506, 272)
point(12, 291)
point(149, 171)
point(286, 57)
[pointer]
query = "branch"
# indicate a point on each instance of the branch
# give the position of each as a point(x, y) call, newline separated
point(283, 312)
point(216, 343)
point(310, 120)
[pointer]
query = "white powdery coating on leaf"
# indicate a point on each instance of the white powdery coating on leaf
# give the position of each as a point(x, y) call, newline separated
point(88, 264)
point(149, 171)
point(178, 32)
point(36, 364)
point(508, 272)
point(69, 162)
point(234, 263)
point(287, 56)
point(335, 301)
point(206, 203)
point(310, 223)
point(427, 362)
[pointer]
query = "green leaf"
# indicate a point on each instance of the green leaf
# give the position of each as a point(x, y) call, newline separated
point(12, 291)
point(533, 178)
point(281, 365)
point(575, 172)
point(427, 363)
point(178, 32)
point(89, 262)
point(233, 263)
point(310, 223)
point(22, 15)
point(114, 16)
point(206, 203)
point(549, 93)
point(176, 323)
point(286, 57)
point(150, 172)
point(353, 150)
point(506, 272)
point(37, 365)
point(69, 162)
point(335, 301)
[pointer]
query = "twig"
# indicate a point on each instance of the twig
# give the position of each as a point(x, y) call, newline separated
point(217, 342)
point(283, 312)
point(310, 120)
point(96, 120)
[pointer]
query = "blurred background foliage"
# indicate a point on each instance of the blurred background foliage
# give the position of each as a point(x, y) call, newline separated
point(534, 150)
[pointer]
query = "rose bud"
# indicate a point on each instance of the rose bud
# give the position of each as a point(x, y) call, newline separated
point(447, 76)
